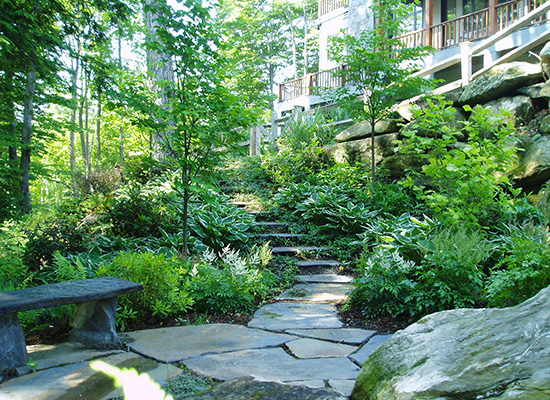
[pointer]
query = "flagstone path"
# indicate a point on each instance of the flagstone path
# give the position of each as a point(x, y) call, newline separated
point(297, 340)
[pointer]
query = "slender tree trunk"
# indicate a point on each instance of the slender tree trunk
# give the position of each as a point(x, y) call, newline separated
point(74, 103)
point(122, 146)
point(26, 137)
point(294, 50)
point(98, 128)
point(160, 67)
point(121, 135)
point(306, 30)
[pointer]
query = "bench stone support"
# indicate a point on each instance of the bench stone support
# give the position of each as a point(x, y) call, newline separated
point(95, 324)
point(13, 352)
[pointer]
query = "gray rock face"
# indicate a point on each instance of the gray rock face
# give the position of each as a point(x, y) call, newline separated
point(384, 146)
point(501, 80)
point(363, 130)
point(544, 127)
point(545, 59)
point(534, 165)
point(521, 108)
point(249, 388)
point(465, 354)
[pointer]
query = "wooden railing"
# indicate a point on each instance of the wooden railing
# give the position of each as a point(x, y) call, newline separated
point(469, 27)
point(510, 12)
point(327, 6)
point(413, 39)
point(307, 85)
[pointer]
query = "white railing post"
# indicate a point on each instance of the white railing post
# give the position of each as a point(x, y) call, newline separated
point(466, 62)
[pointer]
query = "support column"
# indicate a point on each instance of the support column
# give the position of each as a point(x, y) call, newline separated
point(492, 17)
point(466, 62)
point(13, 350)
point(95, 324)
point(428, 21)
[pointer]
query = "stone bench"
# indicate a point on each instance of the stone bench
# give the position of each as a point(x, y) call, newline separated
point(95, 318)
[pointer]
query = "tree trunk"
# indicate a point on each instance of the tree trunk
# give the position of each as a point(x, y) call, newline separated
point(26, 137)
point(121, 135)
point(306, 29)
point(294, 50)
point(98, 128)
point(74, 104)
point(159, 65)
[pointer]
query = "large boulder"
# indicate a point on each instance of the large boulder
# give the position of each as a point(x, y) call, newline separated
point(534, 165)
point(384, 146)
point(465, 354)
point(545, 59)
point(521, 108)
point(501, 80)
point(363, 129)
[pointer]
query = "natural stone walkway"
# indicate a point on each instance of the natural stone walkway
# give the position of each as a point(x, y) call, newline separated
point(298, 340)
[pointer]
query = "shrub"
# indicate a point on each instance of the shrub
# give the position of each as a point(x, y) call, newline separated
point(218, 224)
point(523, 268)
point(468, 181)
point(13, 271)
point(164, 280)
point(419, 269)
point(104, 181)
point(231, 283)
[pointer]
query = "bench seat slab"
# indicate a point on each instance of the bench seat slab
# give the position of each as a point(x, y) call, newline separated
point(13, 352)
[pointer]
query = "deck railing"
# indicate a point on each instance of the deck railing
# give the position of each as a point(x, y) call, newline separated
point(469, 27)
point(327, 6)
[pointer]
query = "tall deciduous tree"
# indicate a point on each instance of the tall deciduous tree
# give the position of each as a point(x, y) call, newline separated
point(378, 68)
point(203, 112)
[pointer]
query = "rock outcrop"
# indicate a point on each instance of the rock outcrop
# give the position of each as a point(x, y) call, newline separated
point(517, 87)
point(465, 354)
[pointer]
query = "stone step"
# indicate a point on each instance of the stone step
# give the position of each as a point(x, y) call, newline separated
point(295, 250)
point(318, 263)
point(242, 204)
point(324, 278)
point(281, 236)
point(316, 292)
point(271, 225)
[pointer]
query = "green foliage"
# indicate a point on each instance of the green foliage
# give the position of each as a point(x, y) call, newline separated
point(140, 210)
point(218, 224)
point(417, 268)
point(467, 180)
point(524, 266)
point(51, 237)
point(143, 169)
point(13, 271)
point(231, 283)
point(164, 280)
point(298, 157)
point(104, 181)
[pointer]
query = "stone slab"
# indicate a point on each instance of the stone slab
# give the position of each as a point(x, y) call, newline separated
point(178, 343)
point(249, 388)
point(324, 278)
point(318, 263)
point(271, 364)
point(313, 348)
point(63, 293)
point(316, 292)
point(341, 335)
point(365, 352)
point(342, 386)
point(311, 383)
point(281, 235)
point(293, 250)
point(284, 316)
point(79, 381)
point(47, 356)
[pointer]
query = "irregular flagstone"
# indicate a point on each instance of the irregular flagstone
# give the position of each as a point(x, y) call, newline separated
point(79, 381)
point(342, 335)
point(342, 386)
point(316, 292)
point(178, 343)
point(366, 351)
point(312, 348)
point(271, 364)
point(323, 278)
point(249, 388)
point(48, 356)
point(318, 383)
point(284, 316)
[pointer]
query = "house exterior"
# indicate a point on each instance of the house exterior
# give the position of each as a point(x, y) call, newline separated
point(479, 31)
